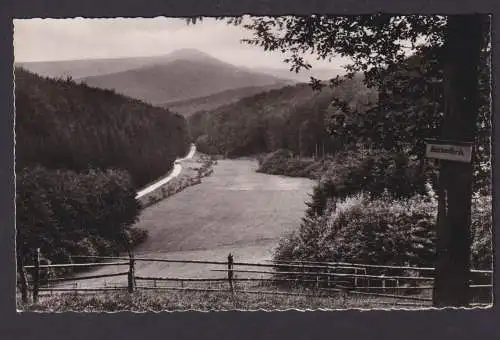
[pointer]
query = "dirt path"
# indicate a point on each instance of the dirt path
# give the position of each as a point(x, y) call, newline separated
point(235, 210)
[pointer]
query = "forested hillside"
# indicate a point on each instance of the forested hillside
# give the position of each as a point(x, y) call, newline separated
point(294, 118)
point(60, 124)
point(190, 106)
point(81, 155)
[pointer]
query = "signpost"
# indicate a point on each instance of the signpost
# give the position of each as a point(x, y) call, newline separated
point(449, 150)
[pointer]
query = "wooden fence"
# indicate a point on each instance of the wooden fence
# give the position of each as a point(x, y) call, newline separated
point(318, 278)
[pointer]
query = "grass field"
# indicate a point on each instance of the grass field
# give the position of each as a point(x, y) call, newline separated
point(143, 301)
point(234, 210)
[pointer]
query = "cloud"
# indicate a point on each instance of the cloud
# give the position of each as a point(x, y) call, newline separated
point(69, 39)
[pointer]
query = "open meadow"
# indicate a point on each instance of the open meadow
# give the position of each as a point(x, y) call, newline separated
point(235, 210)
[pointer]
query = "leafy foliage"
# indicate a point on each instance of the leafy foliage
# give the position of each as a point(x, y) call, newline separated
point(372, 42)
point(66, 213)
point(410, 110)
point(380, 231)
point(482, 227)
point(282, 162)
point(403, 57)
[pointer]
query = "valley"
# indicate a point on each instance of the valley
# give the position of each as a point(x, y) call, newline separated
point(235, 210)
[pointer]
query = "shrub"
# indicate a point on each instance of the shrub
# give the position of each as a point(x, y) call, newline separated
point(360, 230)
point(374, 172)
point(65, 213)
point(382, 231)
point(481, 230)
point(137, 236)
point(274, 163)
point(282, 162)
point(377, 172)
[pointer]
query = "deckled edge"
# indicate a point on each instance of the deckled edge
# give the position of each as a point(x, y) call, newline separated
point(489, 306)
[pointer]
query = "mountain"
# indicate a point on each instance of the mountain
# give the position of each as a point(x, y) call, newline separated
point(186, 80)
point(182, 75)
point(85, 68)
point(96, 67)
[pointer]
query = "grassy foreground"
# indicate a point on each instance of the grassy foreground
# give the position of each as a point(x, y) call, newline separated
point(155, 301)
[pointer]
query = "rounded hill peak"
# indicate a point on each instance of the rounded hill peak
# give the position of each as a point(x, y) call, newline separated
point(189, 53)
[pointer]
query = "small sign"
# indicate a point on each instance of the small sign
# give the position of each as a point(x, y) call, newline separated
point(451, 151)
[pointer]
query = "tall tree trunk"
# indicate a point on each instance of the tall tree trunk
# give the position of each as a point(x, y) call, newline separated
point(463, 45)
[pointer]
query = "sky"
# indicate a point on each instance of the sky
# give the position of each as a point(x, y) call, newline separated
point(70, 39)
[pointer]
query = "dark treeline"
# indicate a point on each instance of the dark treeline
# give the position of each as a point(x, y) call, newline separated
point(65, 213)
point(81, 155)
point(293, 118)
point(61, 124)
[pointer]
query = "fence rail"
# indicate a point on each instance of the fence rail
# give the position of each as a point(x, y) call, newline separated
point(71, 265)
point(357, 265)
point(382, 277)
point(281, 264)
point(78, 278)
point(324, 277)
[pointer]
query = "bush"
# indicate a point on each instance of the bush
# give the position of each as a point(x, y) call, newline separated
point(65, 213)
point(137, 236)
point(360, 230)
point(282, 162)
point(377, 172)
point(481, 230)
point(374, 172)
point(382, 231)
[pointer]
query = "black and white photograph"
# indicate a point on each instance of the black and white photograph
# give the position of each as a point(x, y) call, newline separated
point(314, 162)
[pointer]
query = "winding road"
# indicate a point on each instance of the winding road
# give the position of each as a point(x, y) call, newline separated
point(174, 173)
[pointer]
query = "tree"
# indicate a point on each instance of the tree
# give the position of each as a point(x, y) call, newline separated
point(377, 43)
point(65, 213)
point(463, 44)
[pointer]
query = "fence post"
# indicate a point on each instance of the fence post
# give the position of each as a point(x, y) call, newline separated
point(22, 278)
point(230, 271)
point(36, 275)
point(368, 280)
point(355, 278)
point(131, 274)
